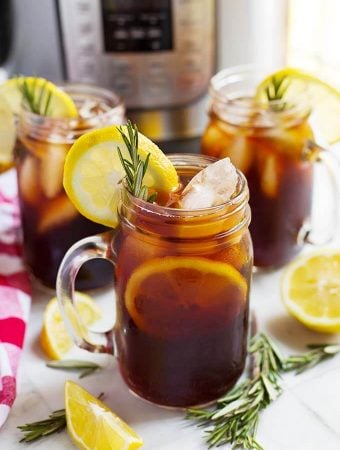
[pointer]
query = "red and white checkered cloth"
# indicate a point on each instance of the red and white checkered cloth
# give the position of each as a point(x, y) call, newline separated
point(15, 296)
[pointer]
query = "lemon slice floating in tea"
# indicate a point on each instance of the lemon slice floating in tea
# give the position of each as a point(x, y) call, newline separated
point(93, 172)
point(45, 98)
point(292, 84)
point(197, 294)
point(54, 338)
point(92, 425)
point(7, 135)
point(311, 290)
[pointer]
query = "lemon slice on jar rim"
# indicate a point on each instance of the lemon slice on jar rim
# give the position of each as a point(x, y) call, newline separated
point(93, 172)
point(323, 98)
point(310, 290)
point(57, 102)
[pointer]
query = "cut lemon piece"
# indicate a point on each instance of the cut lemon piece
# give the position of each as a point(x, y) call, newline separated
point(54, 338)
point(93, 426)
point(311, 290)
point(61, 104)
point(93, 172)
point(7, 134)
point(180, 296)
point(323, 99)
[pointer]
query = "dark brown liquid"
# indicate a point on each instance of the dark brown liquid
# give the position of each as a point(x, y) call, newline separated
point(50, 223)
point(188, 344)
point(280, 182)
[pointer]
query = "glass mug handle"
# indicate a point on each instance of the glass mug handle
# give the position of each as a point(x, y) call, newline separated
point(316, 154)
point(98, 246)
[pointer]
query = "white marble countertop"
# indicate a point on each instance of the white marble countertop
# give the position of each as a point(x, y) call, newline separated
point(305, 417)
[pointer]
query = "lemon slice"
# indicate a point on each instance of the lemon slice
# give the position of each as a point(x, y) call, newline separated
point(93, 426)
point(61, 104)
point(176, 295)
point(93, 172)
point(311, 290)
point(54, 338)
point(7, 134)
point(323, 98)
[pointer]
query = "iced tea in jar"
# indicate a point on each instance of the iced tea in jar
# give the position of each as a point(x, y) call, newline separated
point(272, 144)
point(50, 222)
point(182, 287)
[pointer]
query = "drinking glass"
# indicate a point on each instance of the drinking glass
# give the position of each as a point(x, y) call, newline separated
point(182, 290)
point(50, 222)
point(274, 147)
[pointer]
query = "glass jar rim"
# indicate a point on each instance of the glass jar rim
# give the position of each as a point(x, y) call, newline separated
point(230, 88)
point(202, 161)
point(67, 130)
point(76, 88)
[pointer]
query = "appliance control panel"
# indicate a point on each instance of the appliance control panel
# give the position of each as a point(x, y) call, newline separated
point(154, 53)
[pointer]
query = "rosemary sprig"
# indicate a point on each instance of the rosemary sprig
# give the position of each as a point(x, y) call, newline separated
point(36, 430)
point(235, 417)
point(36, 99)
point(135, 168)
point(276, 91)
point(317, 353)
point(86, 367)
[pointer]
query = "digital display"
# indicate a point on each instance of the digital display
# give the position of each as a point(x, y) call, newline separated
point(137, 25)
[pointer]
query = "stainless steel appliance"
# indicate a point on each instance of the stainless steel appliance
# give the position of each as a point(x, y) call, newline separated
point(158, 54)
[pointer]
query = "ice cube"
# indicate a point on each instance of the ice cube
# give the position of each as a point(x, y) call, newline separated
point(28, 179)
point(270, 176)
point(52, 169)
point(57, 212)
point(212, 186)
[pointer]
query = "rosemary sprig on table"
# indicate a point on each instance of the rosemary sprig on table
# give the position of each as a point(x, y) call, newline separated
point(235, 417)
point(317, 353)
point(36, 430)
point(85, 367)
point(36, 98)
point(135, 168)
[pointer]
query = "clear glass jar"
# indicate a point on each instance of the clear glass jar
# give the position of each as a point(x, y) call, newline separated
point(182, 290)
point(273, 146)
point(50, 222)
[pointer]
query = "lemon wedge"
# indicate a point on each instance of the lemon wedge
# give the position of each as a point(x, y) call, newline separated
point(311, 290)
point(60, 104)
point(54, 338)
point(93, 172)
point(93, 426)
point(323, 99)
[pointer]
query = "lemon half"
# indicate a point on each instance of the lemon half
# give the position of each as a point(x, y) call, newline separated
point(311, 290)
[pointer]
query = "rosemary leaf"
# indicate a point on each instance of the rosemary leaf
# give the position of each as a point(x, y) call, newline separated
point(86, 367)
